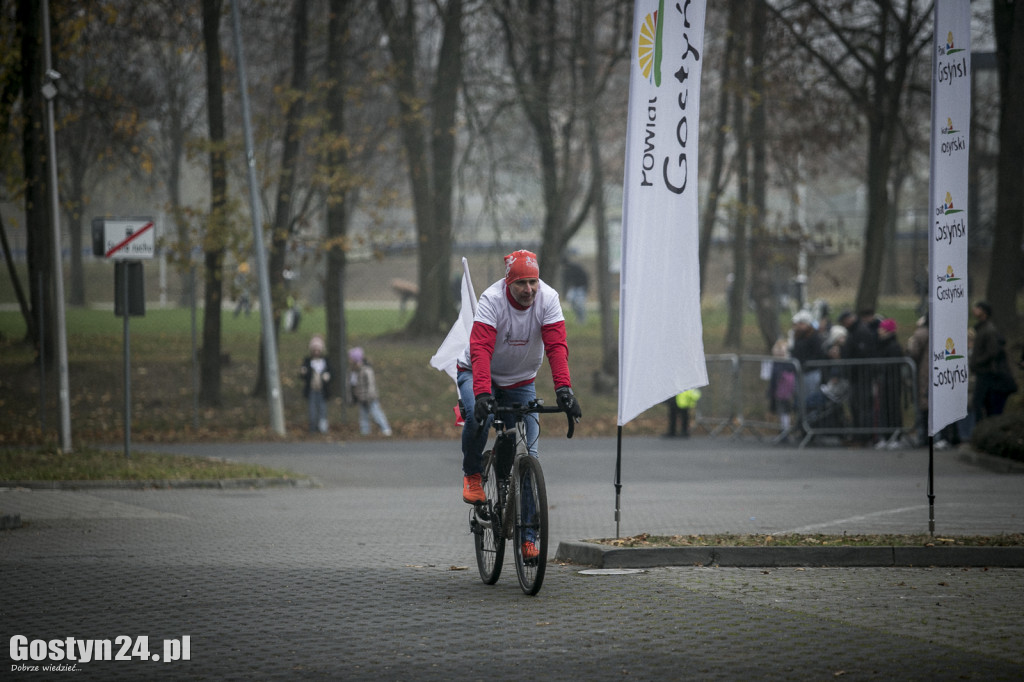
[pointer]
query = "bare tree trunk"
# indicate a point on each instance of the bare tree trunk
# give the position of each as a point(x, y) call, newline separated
point(874, 73)
point(179, 219)
point(337, 190)
point(609, 346)
point(40, 239)
point(26, 312)
point(715, 181)
point(878, 214)
point(738, 290)
point(10, 90)
point(429, 153)
point(213, 246)
point(537, 55)
point(762, 290)
point(435, 268)
point(291, 148)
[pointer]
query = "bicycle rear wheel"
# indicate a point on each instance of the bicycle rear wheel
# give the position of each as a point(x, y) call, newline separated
point(486, 524)
point(531, 523)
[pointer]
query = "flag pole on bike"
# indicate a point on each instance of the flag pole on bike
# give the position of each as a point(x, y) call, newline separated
point(661, 348)
point(447, 356)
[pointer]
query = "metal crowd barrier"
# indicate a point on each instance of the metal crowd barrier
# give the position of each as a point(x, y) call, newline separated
point(715, 411)
point(780, 400)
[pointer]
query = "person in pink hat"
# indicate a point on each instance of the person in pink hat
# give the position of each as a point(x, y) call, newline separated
point(363, 392)
point(316, 384)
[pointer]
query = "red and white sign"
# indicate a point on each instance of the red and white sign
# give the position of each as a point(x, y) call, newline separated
point(129, 239)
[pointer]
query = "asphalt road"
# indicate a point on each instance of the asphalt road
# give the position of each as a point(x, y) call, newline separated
point(371, 575)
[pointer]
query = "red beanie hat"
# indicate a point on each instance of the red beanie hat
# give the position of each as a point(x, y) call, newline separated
point(521, 265)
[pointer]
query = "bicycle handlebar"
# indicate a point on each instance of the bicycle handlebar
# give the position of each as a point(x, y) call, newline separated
point(533, 407)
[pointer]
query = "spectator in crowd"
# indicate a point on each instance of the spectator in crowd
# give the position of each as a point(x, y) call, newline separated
point(859, 345)
point(316, 386)
point(994, 381)
point(836, 386)
point(862, 332)
point(888, 381)
point(807, 343)
point(805, 347)
point(782, 386)
point(833, 345)
point(918, 351)
point(888, 345)
point(363, 392)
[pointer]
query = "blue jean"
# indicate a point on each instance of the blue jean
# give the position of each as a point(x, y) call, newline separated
point(372, 410)
point(317, 412)
point(473, 447)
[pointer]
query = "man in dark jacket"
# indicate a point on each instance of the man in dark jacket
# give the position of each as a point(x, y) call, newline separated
point(860, 344)
point(993, 382)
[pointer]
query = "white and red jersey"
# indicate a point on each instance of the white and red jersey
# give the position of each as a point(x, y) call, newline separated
point(508, 342)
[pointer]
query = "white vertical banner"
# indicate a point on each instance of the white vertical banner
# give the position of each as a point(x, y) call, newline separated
point(661, 347)
point(947, 247)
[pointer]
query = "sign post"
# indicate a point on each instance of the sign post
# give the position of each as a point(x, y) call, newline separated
point(126, 241)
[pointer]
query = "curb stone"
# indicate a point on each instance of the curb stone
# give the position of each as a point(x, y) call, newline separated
point(601, 556)
point(221, 483)
point(1000, 465)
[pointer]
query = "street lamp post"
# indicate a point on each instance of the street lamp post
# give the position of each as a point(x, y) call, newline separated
point(49, 91)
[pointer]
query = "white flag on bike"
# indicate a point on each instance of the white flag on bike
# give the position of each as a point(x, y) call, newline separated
point(661, 347)
point(947, 246)
point(455, 343)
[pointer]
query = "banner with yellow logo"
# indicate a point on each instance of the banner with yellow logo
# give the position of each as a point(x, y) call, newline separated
point(661, 347)
point(947, 247)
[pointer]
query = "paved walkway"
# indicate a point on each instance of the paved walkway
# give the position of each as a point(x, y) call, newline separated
point(372, 575)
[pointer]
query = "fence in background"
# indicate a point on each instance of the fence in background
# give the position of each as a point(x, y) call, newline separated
point(782, 400)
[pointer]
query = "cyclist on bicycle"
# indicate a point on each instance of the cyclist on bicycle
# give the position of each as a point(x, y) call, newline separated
point(518, 319)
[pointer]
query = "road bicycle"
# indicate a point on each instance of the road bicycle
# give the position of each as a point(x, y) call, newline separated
point(516, 505)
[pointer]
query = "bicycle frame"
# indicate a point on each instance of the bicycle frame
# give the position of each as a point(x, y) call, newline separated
point(510, 513)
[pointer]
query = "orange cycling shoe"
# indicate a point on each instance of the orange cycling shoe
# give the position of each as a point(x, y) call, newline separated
point(530, 550)
point(472, 491)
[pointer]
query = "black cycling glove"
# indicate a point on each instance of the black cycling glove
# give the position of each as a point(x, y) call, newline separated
point(567, 401)
point(484, 407)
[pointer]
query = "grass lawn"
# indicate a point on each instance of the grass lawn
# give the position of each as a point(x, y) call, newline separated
point(93, 464)
point(417, 399)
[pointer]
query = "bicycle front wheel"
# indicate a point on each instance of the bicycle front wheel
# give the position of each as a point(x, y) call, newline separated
point(488, 540)
point(531, 524)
